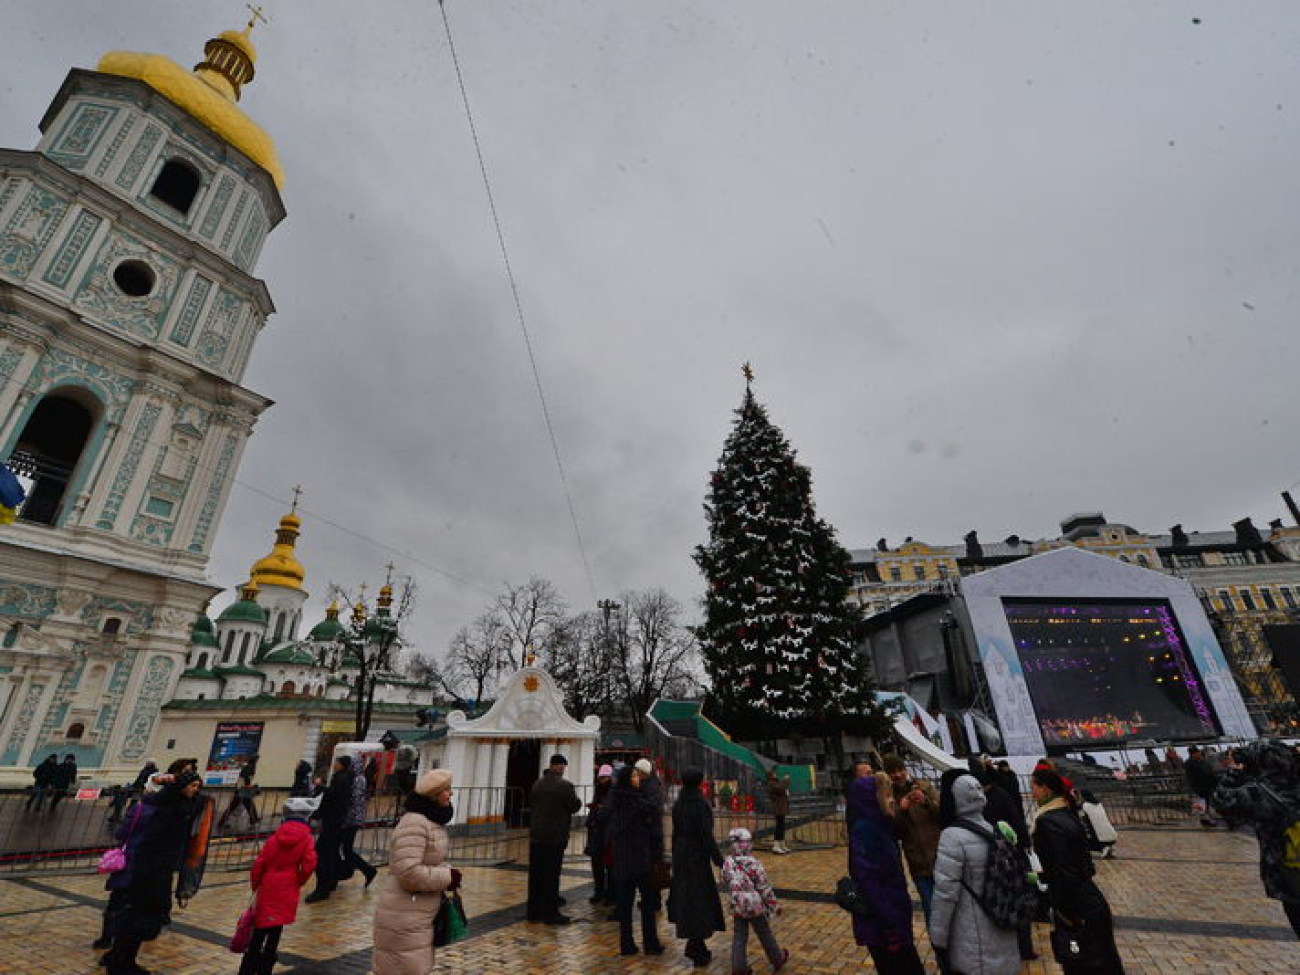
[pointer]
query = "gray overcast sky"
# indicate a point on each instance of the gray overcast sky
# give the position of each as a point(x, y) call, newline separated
point(993, 263)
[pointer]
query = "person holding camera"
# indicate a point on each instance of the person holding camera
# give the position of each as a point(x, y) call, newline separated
point(1262, 788)
point(916, 824)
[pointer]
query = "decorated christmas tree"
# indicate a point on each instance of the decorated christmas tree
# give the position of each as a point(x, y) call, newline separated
point(778, 635)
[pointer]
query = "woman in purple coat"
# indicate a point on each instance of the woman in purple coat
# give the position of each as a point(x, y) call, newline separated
point(877, 868)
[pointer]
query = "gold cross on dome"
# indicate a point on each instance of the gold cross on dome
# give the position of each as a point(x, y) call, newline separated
point(297, 495)
point(257, 15)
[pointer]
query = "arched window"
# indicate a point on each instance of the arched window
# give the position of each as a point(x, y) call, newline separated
point(177, 184)
point(47, 454)
point(243, 648)
point(202, 663)
point(230, 645)
point(279, 627)
point(287, 689)
point(75, 731)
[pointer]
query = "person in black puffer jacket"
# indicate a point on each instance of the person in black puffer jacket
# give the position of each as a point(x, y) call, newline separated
point(333, 811)
point(630, 835)
point(1062, 846)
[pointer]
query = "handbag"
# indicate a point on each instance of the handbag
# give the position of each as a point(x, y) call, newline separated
point(1075, 944)
point(849, 897)
point(112, 860)
point(661, 874)
point(243, 936)
point(449, 924)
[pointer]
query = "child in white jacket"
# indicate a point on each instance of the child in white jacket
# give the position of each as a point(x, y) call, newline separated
point(752, 900)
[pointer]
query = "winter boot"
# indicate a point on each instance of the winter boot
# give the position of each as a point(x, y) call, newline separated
point(626, 942)
point(650, 933)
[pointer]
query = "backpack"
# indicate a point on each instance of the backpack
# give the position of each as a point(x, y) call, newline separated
point(1008, 898)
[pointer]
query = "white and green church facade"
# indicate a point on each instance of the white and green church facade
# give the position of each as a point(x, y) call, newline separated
point(128, 312)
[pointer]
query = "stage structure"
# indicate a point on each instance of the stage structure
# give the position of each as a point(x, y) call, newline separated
point(1083, 651)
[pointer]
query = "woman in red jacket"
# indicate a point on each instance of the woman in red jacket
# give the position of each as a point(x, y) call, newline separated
point(279, 872)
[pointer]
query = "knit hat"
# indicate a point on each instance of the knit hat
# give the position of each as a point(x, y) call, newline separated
point(558, 760)
point(433, 781)
point(644, 767)
point(742, 841)
point(605, 770)
point(301, 806)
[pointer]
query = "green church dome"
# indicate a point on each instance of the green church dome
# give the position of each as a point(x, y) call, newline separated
point(203, 634)
point(246, 609)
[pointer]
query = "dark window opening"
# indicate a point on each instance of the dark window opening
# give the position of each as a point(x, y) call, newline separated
point(135, 278)
point(47, 454)
point(75, 731)
point(1248, 601)
point(112, 626)
point(177, 185)
point(202, 662)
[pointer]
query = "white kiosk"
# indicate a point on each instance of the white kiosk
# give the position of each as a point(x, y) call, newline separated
point(496, 758)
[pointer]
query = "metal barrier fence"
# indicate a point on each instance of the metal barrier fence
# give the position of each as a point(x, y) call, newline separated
point(491, 824)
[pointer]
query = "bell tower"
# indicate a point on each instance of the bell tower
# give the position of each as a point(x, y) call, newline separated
point(129, 306)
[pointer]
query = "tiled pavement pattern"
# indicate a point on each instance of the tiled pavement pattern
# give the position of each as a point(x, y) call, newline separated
point(1186, 900)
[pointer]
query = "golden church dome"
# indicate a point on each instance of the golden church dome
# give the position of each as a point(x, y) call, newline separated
point(281, 567)
point(208, 94)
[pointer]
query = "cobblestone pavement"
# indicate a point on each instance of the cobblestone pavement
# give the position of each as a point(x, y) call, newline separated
point(1186, 901)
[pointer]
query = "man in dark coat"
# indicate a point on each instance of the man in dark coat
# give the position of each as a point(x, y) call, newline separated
point(332, 813)
point(1202, 780)
point(65, 780)
point(552, 803)
point(42, 782)
point(693, 902)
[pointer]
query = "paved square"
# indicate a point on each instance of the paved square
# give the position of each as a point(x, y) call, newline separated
point(1186, 901)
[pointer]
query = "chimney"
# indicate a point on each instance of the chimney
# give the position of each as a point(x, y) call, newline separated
point(1247, 534)
point(881, 545)
point(1013, 540)
point(1179, 536)
point(1275, 525)
point(973, 548)
point(1290, 504)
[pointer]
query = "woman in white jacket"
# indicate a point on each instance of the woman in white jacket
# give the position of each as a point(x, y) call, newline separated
point(965, 939)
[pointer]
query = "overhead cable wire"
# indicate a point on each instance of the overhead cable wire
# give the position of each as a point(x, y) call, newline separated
point(514, 293)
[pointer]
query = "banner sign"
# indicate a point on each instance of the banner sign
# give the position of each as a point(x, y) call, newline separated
point(233, 744)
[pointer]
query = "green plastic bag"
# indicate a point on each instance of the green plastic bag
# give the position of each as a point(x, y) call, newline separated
point(449, 924)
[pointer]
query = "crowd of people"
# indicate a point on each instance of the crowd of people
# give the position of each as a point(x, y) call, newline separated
point(953, 841)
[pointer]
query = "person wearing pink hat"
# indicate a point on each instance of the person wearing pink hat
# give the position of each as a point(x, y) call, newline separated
point(597, 813)
point(419, 876)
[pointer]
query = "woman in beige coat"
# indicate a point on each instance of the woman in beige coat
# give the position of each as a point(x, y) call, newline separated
point(418, 878)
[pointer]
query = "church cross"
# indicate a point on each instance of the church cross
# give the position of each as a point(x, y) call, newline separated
point(257, 15)
point(297, 494)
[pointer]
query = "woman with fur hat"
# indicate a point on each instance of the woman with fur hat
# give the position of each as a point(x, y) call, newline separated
point(419, 876)
point(279, 873)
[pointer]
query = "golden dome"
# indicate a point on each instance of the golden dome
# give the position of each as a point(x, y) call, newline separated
point(281, 567)
point(209, 93)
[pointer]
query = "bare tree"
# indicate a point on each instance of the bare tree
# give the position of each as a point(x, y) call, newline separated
point(436, 675)
point(580, 661)
point(532, 614)
point(654, 653)
point(477, 654)
point(373, 643)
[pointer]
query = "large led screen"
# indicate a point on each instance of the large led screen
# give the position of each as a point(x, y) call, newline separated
point(1101, 673)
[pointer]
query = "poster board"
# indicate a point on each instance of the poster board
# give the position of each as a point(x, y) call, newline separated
point(233, 744)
